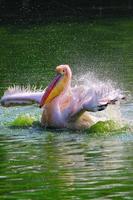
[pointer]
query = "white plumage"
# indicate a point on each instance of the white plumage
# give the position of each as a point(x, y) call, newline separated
point(67, 108)
point(17, 95)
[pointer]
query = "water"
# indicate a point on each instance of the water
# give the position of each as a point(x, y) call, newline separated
point(55, 164)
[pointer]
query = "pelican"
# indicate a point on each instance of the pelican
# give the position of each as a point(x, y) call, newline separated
point(62, 105)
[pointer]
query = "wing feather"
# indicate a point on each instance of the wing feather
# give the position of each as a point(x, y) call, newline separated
point(94, 99)
point(20, 95)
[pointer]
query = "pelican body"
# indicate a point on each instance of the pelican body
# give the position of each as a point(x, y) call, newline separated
point(64, 106)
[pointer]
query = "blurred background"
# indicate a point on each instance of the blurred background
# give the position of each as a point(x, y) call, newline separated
point(41, 10)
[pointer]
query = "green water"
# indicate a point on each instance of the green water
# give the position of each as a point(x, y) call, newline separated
point(55, 164)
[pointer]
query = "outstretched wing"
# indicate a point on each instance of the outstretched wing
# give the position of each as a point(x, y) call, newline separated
point(15, 96)
point(100, 99)
point(94, 99)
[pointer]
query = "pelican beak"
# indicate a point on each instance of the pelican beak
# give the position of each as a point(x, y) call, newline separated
point(52, 91)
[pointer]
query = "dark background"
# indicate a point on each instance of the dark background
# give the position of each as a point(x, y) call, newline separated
point(41, 10)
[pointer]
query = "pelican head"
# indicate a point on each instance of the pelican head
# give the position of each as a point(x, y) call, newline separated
point(59, 84)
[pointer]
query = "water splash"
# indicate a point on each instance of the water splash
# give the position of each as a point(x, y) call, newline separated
point(113, 113)
point(23, 121)
point(89, 79)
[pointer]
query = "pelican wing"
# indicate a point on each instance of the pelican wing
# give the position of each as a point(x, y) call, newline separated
point(94, 99)
point(99, 100)
point(15, 96)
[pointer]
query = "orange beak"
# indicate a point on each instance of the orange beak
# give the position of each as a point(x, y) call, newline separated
point(52, 91)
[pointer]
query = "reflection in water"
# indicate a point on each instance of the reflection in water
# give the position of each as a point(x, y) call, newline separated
point(53, 165)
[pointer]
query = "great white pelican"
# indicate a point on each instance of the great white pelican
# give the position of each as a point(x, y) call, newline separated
point(64, 106)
